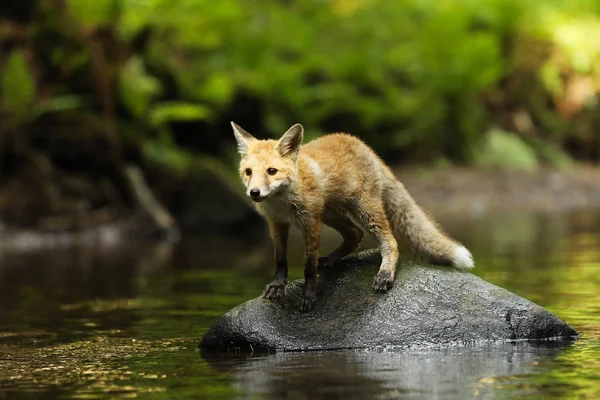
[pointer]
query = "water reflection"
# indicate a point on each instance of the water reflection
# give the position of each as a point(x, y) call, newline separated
point(38, 289)
point(457, 373)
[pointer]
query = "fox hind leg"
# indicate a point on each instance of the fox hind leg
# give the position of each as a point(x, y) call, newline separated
point(372, 214)
point(351, 233)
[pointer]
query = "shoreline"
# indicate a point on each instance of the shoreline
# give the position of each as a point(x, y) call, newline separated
point(448, 192)
point(477, 192)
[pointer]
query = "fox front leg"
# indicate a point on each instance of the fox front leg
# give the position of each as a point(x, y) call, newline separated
point(279, 234)
point(312, 236)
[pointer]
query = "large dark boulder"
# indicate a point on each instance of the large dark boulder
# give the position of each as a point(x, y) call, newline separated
point(429, 305)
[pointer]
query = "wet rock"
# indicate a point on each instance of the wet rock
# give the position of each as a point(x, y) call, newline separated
point(428, 306)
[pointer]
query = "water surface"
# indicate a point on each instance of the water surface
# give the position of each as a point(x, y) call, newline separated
point(94, 322)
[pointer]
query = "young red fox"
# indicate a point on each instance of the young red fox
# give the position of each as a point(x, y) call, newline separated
point(339, 181)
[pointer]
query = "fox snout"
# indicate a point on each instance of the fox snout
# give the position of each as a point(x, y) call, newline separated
point(256, 195)
point(260, 193)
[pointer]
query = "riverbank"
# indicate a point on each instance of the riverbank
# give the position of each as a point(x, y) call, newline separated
point(443, 192)
point(476, 192)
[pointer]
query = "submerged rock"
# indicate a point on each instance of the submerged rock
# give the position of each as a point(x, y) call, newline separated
point(428, 305)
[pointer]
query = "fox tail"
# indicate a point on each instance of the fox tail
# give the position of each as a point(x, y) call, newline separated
point(423, 235)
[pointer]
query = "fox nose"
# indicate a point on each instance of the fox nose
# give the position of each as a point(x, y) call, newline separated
point(254, 192)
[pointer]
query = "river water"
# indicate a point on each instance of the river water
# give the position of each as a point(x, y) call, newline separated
point(125, 321)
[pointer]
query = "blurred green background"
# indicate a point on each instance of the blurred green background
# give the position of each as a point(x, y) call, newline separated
point(88, 86)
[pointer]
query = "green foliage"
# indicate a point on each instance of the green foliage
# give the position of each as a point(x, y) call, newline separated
point(425, 79)
point(18, 86)
point(95, 12)
point(399, 70)
point(553, 155)
point(59, 103)
point(165, 112)
point(18, 90)
point(505, 150)
point(163, 151)
point(572, 29)
point(137, 88)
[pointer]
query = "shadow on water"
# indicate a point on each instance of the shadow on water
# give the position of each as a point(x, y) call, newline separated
point(126, 321)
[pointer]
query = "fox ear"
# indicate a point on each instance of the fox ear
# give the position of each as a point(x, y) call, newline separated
point(242, 137)
point(290, 142)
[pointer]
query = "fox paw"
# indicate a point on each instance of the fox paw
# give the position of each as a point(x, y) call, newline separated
point(383, 281)
point(307, 302)
point(274, 290)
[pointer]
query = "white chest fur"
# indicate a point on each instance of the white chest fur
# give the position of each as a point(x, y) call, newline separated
point(278, 208)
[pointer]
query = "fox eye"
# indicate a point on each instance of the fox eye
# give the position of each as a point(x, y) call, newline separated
point(248, 172)
point(271, 171)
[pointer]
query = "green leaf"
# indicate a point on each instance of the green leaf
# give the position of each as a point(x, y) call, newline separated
point(550, 74)
point(18, 85)
point(59, 103)
point(178, 111)
point(218, 88)
point(506, 151)
point(96, 12)
point(137, 87)
point(164, 151)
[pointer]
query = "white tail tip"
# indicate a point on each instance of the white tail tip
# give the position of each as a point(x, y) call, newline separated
point(462, 258)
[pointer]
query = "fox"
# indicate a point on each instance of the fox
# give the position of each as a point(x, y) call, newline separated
point(339, 181)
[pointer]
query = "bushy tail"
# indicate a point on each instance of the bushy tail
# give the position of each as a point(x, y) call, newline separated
point(424, 236)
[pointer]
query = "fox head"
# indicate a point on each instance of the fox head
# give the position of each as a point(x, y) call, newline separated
point(268, 167)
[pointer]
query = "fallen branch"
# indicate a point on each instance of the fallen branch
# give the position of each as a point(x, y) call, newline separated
point(147, 202)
